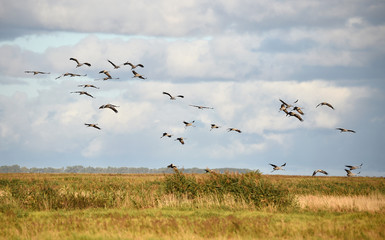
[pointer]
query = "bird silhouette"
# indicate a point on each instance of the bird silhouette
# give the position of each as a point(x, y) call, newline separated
point(37, 72)
point(94, 125)
point(172, 97)
point(353, 167)
point(110, 106)
point(138, 75)
point(345, 130)
point(83, 93)
point(325, 104)
point(80, 64)
point(234, 129)
point(166, 135)
point(133, 66)
point(275, 167)
point(319, 171)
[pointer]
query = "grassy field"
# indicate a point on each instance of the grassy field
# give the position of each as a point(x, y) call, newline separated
point(190, 206)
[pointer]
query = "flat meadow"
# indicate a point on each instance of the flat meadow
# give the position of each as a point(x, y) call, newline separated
point(190, 206)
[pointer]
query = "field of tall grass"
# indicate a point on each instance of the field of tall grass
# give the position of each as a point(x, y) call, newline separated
point(190, 206)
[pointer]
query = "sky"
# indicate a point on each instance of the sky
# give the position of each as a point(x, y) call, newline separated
point(237, 57)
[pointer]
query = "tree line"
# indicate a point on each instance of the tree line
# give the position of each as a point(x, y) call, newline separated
point(119, 170)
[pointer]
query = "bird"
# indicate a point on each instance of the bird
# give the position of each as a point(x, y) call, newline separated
point(207, 170)
point(319, 170)
point(88, 85)
point(201, 107)
point(171, 166)
point(71, 75)
point(172, 97)
point(214, 126)
point(353, 167)
point(115, 66)
point(110, 106)
point(133, 66)
point(180, 139)
point(326, 104)
point(94, 125)
point(345, 130)
point(188, 124)
point(350, 174)
point(166, 135)
point(295, 115)
point(275, 167)
point(80, 64)
point(83, 93)
point(106, 73)
point(137, 75)
point(234, 129)
point(37, 72)
point(299, 110)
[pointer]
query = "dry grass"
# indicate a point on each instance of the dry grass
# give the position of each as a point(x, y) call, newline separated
point(371, 203)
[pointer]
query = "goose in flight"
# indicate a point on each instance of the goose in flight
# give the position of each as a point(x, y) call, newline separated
point(214, 126)
point(94, 125)
point(166, 135)
point(110, 106)
point(353, 167)
point(71, 75)
point(171, 166)
point(295, 115)
point(345, 130)
point(180, 139)
point(172, 97)
point(80, 64)
point(234, 129)
point(37, 72)
point(321, 171)
point(201, 107)
point(299, 110)
point(137, 75)
point(133, 66)
point(188, 124)
point(87, 85)
point(83, 93)
point(114, 65)
point(350, 174)
point(275, 167)
point(106, 73)
point(326, 104)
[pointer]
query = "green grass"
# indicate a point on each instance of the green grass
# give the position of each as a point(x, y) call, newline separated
point(188, 206)
point(190, 224)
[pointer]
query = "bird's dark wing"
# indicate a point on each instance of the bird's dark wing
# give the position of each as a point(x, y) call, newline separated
point(113, 109)
point(314, 173)
point(139, 65)
point(329, 105)
point(112, 63)
point(324, 172)
point(351, 131)
point(273, 165)
point(284, 102)
point(181, 96)
point(74, 59)
point(167, 94)
point(283, 165)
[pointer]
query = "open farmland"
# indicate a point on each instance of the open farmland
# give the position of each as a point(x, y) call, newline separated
point(190, 206)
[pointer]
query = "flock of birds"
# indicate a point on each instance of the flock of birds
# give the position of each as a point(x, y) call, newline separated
point(291, 110)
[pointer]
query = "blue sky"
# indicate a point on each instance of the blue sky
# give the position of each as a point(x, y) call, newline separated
point(239, 57)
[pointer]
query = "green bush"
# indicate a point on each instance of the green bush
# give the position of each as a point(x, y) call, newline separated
point(248, 187)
